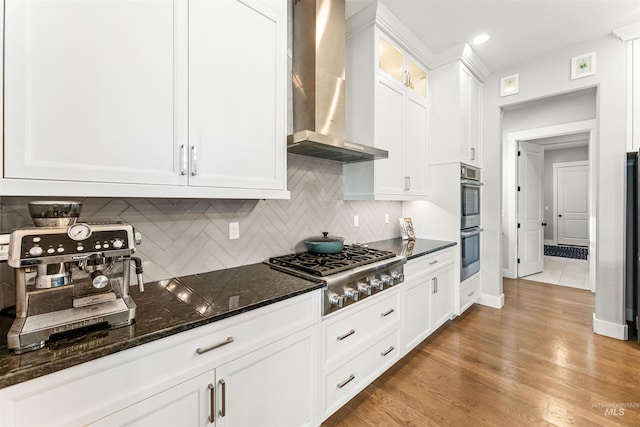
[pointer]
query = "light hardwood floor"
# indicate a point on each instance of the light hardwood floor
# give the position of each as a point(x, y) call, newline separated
point(536, 362)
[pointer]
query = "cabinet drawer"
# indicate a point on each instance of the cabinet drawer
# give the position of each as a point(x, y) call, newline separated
point(469, 293)
point(345, 332)
point(349, 379)
point(427, 263)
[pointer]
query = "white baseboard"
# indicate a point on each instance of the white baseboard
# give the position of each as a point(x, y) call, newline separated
point(492, 301)
point(610, 329)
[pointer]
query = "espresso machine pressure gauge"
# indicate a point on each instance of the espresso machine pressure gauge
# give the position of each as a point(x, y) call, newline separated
point(79, 232)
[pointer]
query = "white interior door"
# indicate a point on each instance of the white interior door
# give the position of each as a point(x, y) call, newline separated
point(530, 212)
point(572, 204)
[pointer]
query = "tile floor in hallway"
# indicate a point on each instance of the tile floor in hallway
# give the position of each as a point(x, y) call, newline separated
point(563, 271)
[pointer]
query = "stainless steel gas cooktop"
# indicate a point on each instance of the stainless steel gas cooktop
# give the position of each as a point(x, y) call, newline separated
point(351, 275)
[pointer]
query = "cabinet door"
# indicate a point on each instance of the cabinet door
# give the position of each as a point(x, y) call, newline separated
point(90, 89)
point(389, 136)
point(470, 120)
point(237, 72)
point(441, 296)
point(415, 146)
point(417, 311)
point(186, 404)
point(274, 386)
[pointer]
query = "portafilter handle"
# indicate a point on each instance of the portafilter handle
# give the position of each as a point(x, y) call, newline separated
point(138, 264)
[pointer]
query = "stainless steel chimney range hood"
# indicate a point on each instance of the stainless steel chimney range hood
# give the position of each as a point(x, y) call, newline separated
point(318, 85)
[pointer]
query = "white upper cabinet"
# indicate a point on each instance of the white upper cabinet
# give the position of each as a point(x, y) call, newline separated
point(154, 98)
point(89, 91)
point(236, 88)
point(386, 107)
point(455, 131)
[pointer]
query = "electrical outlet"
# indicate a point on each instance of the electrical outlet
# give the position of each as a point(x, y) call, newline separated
point(234, 230)
point(386, 218)
point(356, 221)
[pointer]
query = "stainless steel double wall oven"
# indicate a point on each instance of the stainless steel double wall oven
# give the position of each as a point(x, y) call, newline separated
point(470, 185)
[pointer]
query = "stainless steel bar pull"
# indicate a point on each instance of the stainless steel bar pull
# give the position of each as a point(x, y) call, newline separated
point(386, 313)
point(348, 334)
point(212, 403)
point(183, 159)
point(201, 350)
point(223, 405)
point(389, 350)
point(194, 160)
point(347, 381)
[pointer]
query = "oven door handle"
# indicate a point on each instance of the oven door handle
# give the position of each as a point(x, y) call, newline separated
point(471, 183)
point(471, 233)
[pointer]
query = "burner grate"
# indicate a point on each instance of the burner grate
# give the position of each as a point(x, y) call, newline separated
point(327, 264)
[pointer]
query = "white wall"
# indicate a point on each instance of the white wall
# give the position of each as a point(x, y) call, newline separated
point(540, 78)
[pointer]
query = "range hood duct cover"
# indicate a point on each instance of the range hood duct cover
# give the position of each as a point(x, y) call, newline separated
point(318, 85)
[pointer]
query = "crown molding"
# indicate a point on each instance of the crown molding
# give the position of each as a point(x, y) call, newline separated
point(630, 32)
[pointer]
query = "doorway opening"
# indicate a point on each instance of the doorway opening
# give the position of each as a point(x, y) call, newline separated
point(537, 214)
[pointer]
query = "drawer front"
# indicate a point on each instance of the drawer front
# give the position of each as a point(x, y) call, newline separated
point(469, 293)
point(349, 379)
point(343, 333)
point(427, 263)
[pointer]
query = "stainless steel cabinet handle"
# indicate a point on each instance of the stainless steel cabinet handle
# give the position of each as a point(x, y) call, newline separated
point(433, 262)
point(224, 398)
point(194, 160)
point(389, 350)
point(183, 159)
point(435, 279)
point(212, 403)
point(347, 381)
point(348, 334)
point(473, 153)
point(471, 293)
point(386, 313)
point(407, 183)
point(200, 350)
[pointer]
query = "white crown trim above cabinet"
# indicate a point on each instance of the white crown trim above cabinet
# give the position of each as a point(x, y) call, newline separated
point(162, 98)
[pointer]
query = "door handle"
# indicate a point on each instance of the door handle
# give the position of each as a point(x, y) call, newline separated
point(559, 215)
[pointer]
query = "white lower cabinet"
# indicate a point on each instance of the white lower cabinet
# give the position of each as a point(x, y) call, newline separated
point(359, 344)
point(428, 298)
point(268, 387)
point(264, 373)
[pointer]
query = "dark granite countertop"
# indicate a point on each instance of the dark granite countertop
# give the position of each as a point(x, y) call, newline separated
point(165, 308)
point(411, 248)
point(172, 306)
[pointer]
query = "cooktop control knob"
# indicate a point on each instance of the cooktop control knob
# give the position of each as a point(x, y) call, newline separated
point(397, 277)
point(351, 293)
point(376, 283)
point(364, 288)
point(335, 300)
point(387, 279)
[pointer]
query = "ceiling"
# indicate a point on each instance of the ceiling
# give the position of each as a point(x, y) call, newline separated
point(519, 29)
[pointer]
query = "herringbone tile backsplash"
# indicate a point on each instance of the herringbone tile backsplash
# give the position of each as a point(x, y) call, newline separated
point(188, 236)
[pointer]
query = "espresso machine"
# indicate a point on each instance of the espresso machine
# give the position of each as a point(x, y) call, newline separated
point(70, 276)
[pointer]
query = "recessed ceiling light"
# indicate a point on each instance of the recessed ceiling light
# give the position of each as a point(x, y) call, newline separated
point(480, 38)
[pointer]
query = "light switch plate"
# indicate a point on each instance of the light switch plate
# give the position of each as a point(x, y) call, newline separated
point(356, 221)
